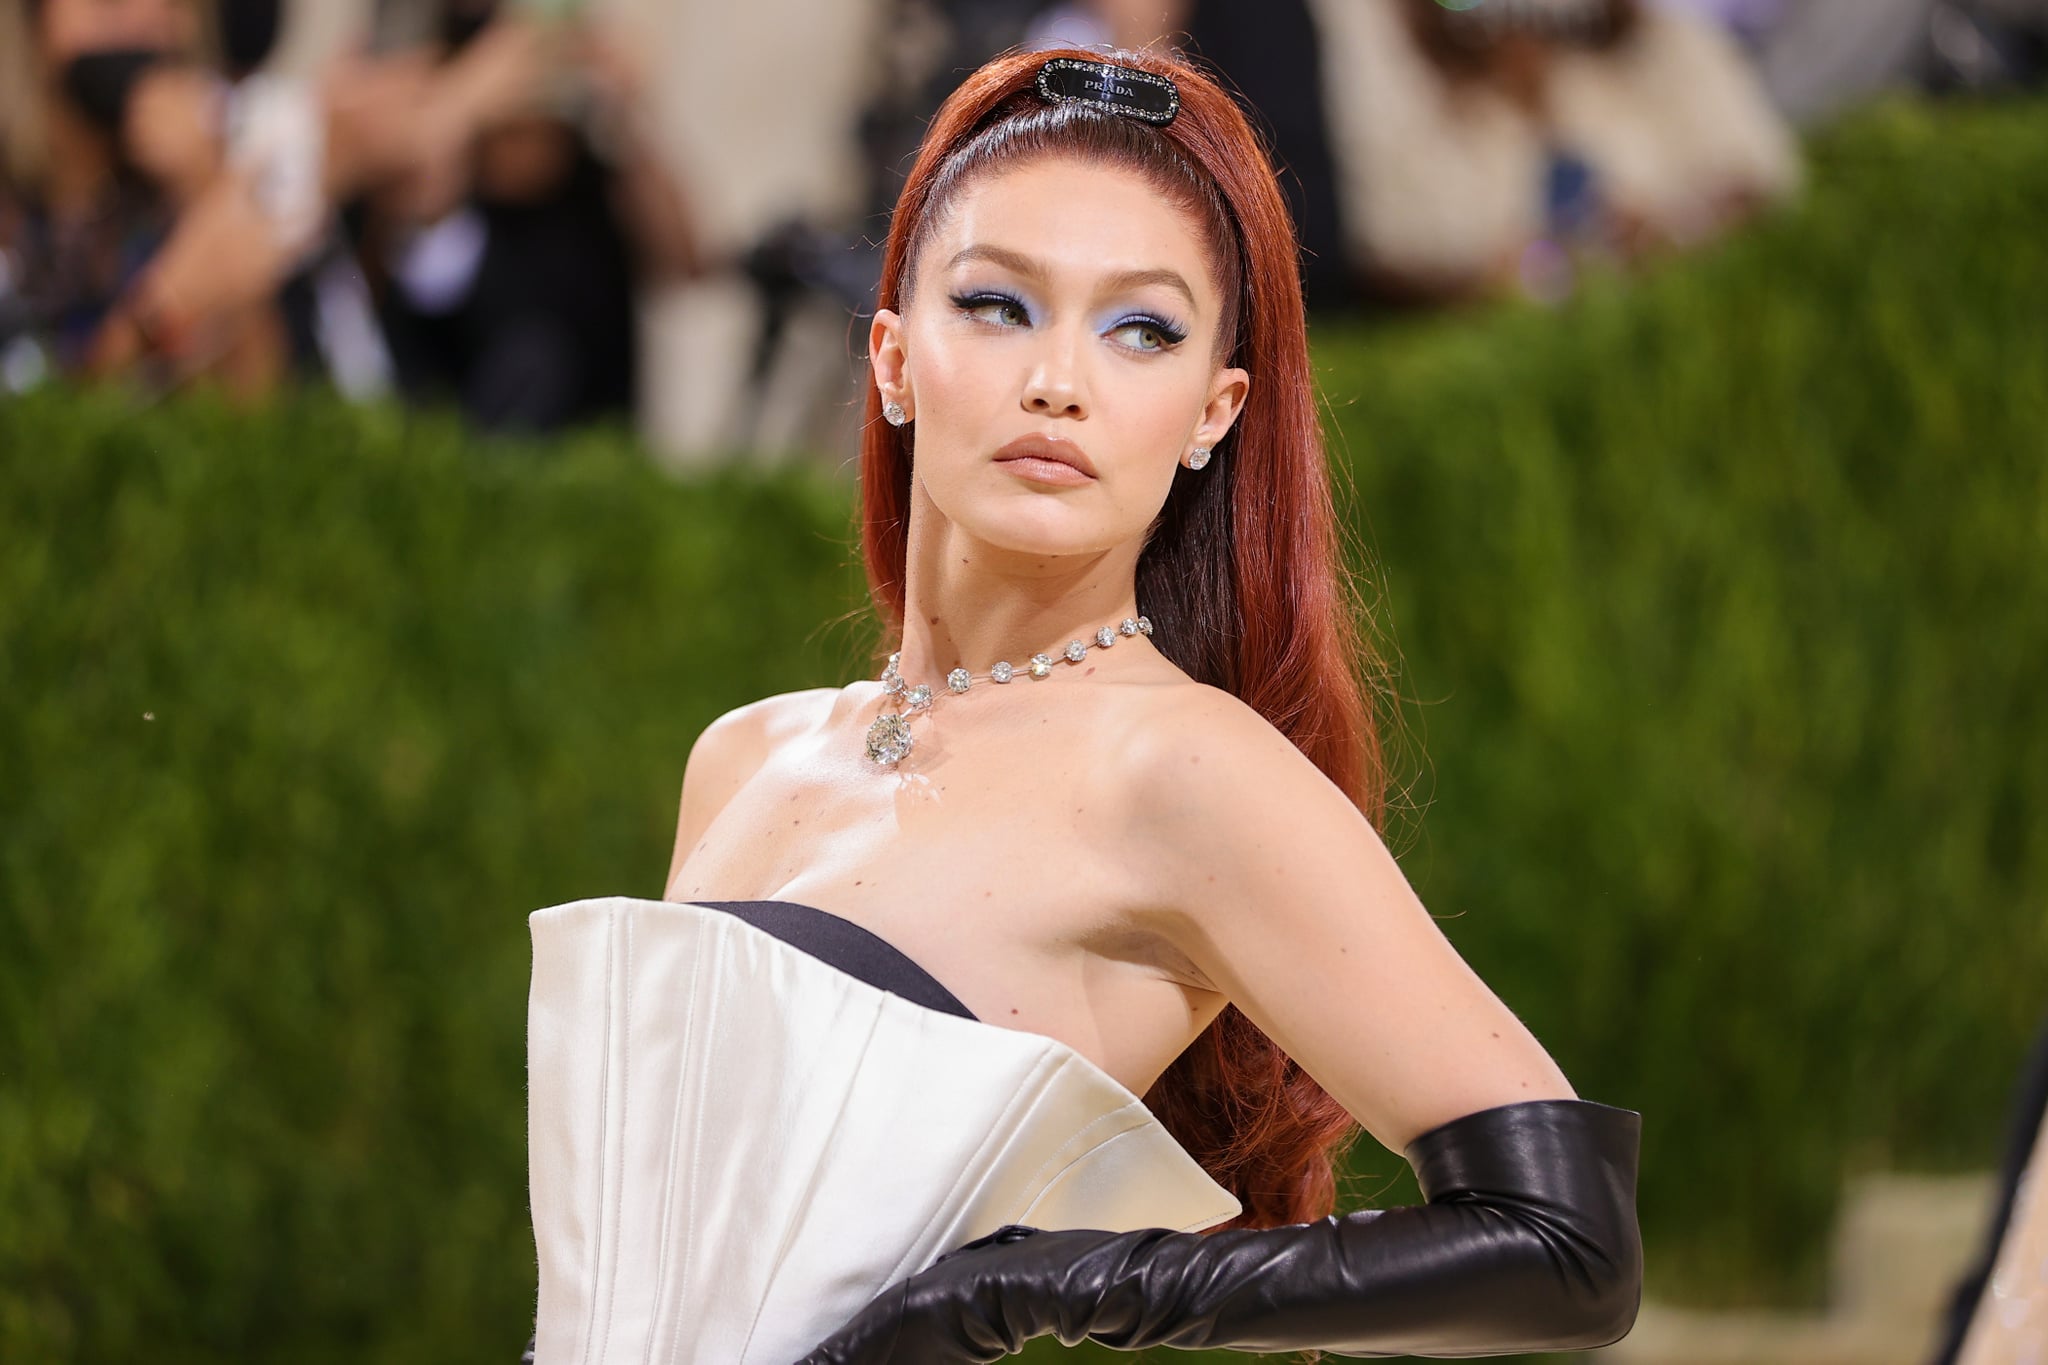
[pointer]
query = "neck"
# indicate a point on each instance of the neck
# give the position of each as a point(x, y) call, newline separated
point(968, 604)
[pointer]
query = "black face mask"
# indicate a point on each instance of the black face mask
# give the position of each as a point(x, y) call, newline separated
point(248, 31)
point(460, 23)
point(100, 84)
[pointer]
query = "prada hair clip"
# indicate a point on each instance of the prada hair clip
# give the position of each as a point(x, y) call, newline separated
point(1143, 95)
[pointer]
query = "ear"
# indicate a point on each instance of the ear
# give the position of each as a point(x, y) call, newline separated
point(889, 360)
point(1226, 400)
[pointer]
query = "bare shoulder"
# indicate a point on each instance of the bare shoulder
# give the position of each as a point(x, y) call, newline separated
point(1201, 751)
point(779, 717)
point(731, 747)
point(1215, 796)
point(730, 750)
point(1273, 883)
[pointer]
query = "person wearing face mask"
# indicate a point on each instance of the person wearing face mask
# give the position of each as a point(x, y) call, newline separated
point(79, 218)
point(156, 192)
point(166, 200)
point(1034, 986)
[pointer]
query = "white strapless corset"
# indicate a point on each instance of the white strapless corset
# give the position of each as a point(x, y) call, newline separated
point(734, 1145)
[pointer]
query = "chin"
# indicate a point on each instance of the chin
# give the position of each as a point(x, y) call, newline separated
point(1041, 525)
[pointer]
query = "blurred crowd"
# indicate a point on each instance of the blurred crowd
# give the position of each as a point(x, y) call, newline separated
point(466, 212)
point(669, 212)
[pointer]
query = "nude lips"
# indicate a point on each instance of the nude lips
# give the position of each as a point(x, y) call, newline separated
point(1042, 470)
point(1045, 459)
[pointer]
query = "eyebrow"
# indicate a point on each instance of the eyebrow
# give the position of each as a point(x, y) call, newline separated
point(1026, 266)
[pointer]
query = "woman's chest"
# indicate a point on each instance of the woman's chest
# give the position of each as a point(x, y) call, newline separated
point(1000, 868)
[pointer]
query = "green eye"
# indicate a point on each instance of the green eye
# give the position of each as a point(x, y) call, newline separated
point(1146, 329)
point(1163, 333)
point(971, 304)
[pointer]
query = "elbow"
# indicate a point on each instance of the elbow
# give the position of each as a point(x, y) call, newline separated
point(1607, 1290)
point(1596, 1247)
point(1558, 1179)
point(1603, 1320)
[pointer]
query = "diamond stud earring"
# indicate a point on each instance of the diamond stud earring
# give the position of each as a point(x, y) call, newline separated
point(892, 411)
point(1198, 457)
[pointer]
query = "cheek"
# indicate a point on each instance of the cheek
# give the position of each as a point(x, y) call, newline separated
point(1155, 414)
point(952, 377)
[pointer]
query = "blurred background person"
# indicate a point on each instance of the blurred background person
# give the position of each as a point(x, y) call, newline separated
point(1482, 147)
point(96, 169)
point(165, 200)
point(488, 208)
point(508, 258)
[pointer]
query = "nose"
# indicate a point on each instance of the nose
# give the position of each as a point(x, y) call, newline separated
point(1055, 387)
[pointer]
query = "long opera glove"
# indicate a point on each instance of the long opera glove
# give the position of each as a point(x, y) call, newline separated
point(1527, 1242)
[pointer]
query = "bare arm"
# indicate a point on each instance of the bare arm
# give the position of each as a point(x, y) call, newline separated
point(1285, 896)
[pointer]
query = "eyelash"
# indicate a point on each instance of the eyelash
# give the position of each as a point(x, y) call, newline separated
point(1170, 333)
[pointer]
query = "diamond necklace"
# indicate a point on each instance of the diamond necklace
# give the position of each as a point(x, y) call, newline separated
point(889, 735)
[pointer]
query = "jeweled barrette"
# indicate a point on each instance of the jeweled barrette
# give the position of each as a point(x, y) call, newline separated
point(1144, 95)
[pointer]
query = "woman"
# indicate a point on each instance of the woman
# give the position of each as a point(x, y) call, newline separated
point(908, 1128)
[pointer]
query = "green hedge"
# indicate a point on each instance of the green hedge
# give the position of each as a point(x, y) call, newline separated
point(305, 712)
point(1725, 601)
point(1721, 609)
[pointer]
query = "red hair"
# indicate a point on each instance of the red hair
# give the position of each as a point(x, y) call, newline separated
point(1242, 571)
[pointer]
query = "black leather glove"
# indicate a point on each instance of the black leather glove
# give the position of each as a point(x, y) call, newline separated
point(1528, 1242)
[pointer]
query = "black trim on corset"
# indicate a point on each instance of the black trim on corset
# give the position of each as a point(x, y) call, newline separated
point(841, 943)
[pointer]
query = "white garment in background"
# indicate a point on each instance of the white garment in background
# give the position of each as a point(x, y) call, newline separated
point(1673, 119)
point(1443, 181)
point(1439, 183)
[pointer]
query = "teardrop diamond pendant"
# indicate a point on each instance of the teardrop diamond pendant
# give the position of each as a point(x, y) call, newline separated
point(889, 739)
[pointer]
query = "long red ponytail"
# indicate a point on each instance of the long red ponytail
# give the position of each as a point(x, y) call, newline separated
point(1243, 571)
